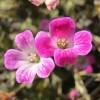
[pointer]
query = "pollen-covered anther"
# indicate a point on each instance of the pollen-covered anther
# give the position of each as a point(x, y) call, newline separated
point(33, 58)
point(62, 43)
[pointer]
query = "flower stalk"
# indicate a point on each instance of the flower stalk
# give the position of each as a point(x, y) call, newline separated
point(80, 86)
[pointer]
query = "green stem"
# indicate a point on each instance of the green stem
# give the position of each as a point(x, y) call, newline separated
point(79, 84)
point(94, 75)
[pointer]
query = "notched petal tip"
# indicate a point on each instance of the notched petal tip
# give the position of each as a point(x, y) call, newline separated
point(45, 67)
point(63, 27)
point(83, 42)
point(24, 40)
point(25, 75)
point(11, 58)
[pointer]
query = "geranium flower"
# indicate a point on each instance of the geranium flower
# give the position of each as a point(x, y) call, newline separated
point(26, 60)
point(62, 42)
point(51, 4)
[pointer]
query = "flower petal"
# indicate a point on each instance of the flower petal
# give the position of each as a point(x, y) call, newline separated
point(63, 57)
point(13, 59)
point(45, 67)
point(82, 42)
point(25, 40)
point(51, 4)
point(62, 27)
point(36, 2)
point(43, 44)
point(26, 74)
point(88, 69)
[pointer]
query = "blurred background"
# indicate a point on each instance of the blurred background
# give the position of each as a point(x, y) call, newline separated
point(18, 15)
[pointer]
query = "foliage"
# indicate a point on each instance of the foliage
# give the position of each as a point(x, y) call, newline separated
point(18, 15)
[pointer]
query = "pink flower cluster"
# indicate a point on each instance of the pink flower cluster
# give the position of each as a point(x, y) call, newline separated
point(51, 4)
point(33, 56)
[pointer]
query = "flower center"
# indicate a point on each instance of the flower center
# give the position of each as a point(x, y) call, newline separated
point(62, 43)
point(33, 58)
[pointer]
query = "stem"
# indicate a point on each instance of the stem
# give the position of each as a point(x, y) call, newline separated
point(95, 91)
point(17, 89)
point(96, 76)
point(80, 86)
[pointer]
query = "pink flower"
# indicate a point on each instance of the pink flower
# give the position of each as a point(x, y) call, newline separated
point(62, 42)
point(88, 69)
point(73, 94)
point(51, 4)
point(26, 60)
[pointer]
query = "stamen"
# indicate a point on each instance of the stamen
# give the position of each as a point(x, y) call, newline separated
point(33, 58)
point(62, 43)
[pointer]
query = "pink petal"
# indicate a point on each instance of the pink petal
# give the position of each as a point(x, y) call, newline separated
point(25, 40)
point(66, 56)
point(62, 27)
point(36, 2)
point(13, 59)
point(88, 69)
point(73, 94)
point(26, 74)
point(45, 67)
point(51, 4)
point(43, 44)
point(82, 42)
